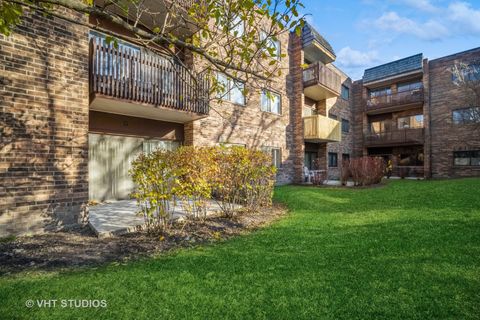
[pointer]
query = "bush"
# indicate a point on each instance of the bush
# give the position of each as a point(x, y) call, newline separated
point(344, 172)
point(193, 176)
point(403, 172)
point(156, 186)
point(246, 177)
point(366, 171)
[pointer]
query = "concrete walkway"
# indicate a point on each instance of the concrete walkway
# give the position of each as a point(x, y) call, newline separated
point(117, 217)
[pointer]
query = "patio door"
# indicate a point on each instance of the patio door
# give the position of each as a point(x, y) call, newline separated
point(109, 160)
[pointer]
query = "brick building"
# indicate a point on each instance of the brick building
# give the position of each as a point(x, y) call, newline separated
point(75, 111)
point(413, 113)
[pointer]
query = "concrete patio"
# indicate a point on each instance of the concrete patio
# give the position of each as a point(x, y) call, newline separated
point(117, 217)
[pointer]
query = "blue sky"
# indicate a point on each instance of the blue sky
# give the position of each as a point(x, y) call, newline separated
point(366, 33)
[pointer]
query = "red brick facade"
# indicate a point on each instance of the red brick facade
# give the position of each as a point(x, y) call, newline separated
point(44, 124)
point(445, 136)
point(441, 137)
point(44, 104)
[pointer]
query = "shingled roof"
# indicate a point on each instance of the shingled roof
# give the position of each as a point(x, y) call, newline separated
point(309, 34)
point(394, 68)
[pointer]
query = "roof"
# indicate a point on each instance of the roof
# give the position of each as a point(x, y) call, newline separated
point(398, 67)
point(309, 34)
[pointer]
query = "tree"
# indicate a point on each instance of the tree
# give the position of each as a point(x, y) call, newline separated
point(467, 77)
point(234, 37)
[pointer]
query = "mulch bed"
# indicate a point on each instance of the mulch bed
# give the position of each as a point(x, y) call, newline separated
point(78, 246)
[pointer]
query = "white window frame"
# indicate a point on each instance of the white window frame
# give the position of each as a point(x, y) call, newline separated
point(237, 25)
point(269, 102)
point(231, 86)
point(276, 158)
point(271, 43)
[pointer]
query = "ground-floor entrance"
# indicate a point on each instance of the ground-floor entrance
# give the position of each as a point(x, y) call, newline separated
point(405, 161)
point(109, 162)
point(114, 142)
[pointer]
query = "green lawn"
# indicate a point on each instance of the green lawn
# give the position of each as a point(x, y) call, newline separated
point(408, 250)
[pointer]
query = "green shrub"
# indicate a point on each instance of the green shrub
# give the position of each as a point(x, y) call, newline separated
point(246, 177)
point(156, 184)
point(193, 176)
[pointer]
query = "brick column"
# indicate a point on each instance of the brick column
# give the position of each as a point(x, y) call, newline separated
point(296, 97)
point(44, 105)
point(426, 121)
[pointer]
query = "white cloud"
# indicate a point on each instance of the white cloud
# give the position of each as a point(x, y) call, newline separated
point(424, 5)
point(466, 17)
point(430, 30)
point(350, 58)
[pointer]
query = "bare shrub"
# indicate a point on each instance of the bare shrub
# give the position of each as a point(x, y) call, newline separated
point(366, 171)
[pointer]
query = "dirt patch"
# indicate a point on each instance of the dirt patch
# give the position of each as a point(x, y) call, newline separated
point(79, 246)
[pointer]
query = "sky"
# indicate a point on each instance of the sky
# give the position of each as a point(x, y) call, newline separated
point(367, 33)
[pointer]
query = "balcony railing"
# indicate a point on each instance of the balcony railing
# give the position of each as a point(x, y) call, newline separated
point(392, 137)
point(131, 75)
point(318, 128)
point(408, 171)
point(319, 74)
point(395, 99)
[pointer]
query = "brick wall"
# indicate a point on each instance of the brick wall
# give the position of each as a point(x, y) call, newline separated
point(44, 124)
point(248, 125)
point(447, 137)
point(342, 109)
point(358, 116)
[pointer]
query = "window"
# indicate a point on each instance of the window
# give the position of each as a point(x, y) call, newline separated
point(332, 116)
point(345, 126)
point(272, 46)
point(276, 155)
point(466, 158)
point(379, 126)
point(411, 122)
point(380, 92)
point(271, 102)
point(332, 160)
point(231, 145)
point(237, 26)
point(309, 159)
point(230, 89)
point(345, 156)
point(466, 115)
point(410, 86)
point(468, 73)
point(345, 92)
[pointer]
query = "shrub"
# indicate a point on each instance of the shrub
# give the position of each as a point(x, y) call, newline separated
point(193, 176)
point(403, 172)
point(366, 170)
point(155, 177)
point(196, 169)
point(246, 177)
point(344, 172)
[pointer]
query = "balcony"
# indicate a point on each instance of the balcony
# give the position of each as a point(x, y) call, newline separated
point(395, 102)
point(318, 128)
point(129, 82)
point(395, 137)
point(321, 82)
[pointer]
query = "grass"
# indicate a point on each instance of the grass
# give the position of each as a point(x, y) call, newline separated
point(409, 250)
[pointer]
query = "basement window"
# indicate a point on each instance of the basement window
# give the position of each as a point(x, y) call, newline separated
point(466, 115)
point(466, 158)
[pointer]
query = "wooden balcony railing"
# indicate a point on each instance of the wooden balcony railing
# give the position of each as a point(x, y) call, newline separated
point(131, 75)
point(392, 137)
point(322, 129)
point(318, 73)
point(396, 99)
